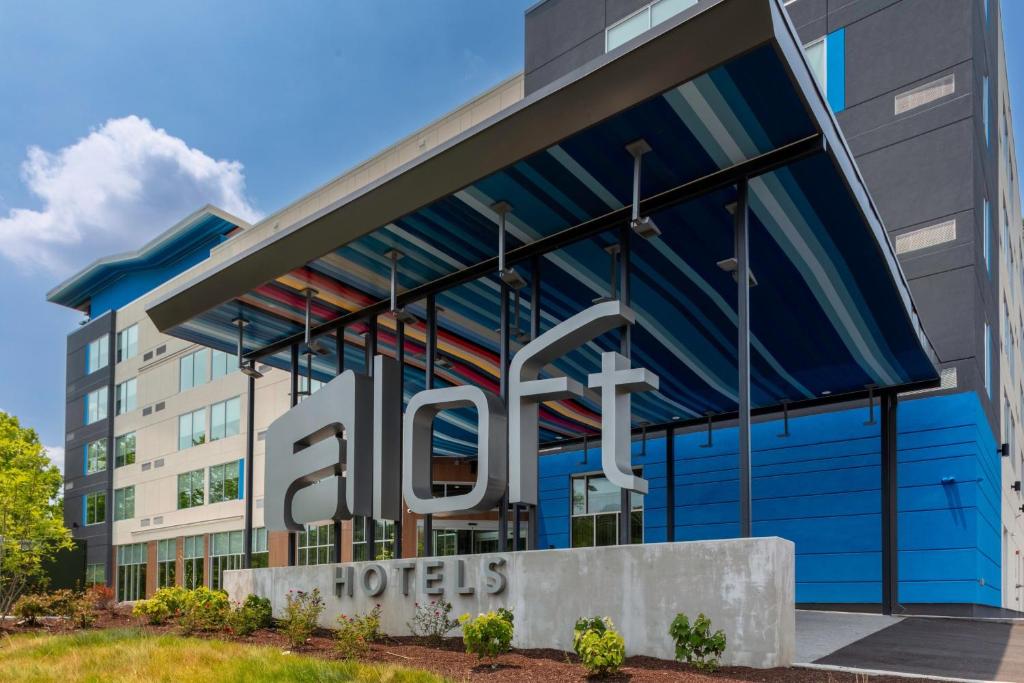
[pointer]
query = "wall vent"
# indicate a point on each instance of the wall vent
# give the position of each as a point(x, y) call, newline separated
point(922, 238)
point(144, 522)
point(261, 436)
point(148, 355)
point(147, 410)
point(259, 503)
point(158, 520)
point(161, 349)
point(71, 437)
point(159, 462)
point(159, 406)
point(68, 485)
point(146, 466)
point(923, 94)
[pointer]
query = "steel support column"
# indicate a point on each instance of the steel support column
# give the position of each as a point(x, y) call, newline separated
point(743, 353)
point(625, 348)
point(431, 359)
point(250, 442)
point(503, 384)
point(890, 488)
point(339, 368)
point(293, 400)
point(400, 358)
point(535, 280)
point(369, 525)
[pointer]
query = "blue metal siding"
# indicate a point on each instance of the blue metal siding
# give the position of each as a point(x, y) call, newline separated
point(835, 64)
point(819, 487)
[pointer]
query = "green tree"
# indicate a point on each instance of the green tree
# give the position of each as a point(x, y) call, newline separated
point(31, 511)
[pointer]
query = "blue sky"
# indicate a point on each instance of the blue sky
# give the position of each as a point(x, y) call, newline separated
point(250, 103)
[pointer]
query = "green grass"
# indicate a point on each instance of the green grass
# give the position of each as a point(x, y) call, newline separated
point(131, 655)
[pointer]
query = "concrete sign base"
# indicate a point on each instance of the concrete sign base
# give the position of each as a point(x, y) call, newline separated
point(745, 586)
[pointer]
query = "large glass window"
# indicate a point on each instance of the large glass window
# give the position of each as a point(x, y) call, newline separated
point(260, 552)
point(97, 354)
point(96, 456)
point(95, 574)
point(190, 489)
point(94, 507)
point(192, 429)
point(124, 503)
point(986, 247)
point(166, 562)
point(124, 450)
point(131, 571)
point(596, 504)
point(224, 481)
point(96, 406)
point(988, 359)
point(224, 419)
point(316, 544)
point(194, 370)
point(642, 20)
point(384, 539)
point(225, 553)
point(193, 562)
point(222, 363)
point(127, 343)
point(126, 398)
point(985, 108)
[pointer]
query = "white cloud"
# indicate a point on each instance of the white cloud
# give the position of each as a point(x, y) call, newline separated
point(56, 455)
point(113, 190)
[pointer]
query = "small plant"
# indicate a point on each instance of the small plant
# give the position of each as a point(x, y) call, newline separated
point(79, 611)
point(242, 620)
point(262, 608)
point(488, 635)
point(154, 611)
point(302, 610)
point(203, 610)
point(101, 597)
point(432, 620)
point(175, 598)
point(696, 644)
point(32, 606)
point(600, 647)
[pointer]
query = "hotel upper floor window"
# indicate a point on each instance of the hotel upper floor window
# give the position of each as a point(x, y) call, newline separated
point(222, 363)
point(190, 489)
point(817, 58)
point(96, 456)
point(126, 399)
point(986, 247)
point(194, 370)
point(97, 354)
point(193, 554)
point(94, 508)
point(127, 343)
point(166, 562)
point(224, 481)
point(124, 503)
point(596, 504)
point(192, 429)
point(124, 450)
point(985, 108)
point(642, 20)
point(224, 418)
point(96, 406)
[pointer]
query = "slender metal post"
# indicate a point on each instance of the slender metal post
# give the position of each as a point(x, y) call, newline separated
point(890, 487)
point(250, 442)
point(400, 358)
point(503, 383)
point(743, 353)
point(293, 398)
point(370, 348)
point(625, 348)
point(431, 351)
point(531, 529)
point(339, 368)
point(670, 484)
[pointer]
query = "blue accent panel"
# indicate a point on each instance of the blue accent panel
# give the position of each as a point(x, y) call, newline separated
point(835, 61)
point(820, 488)
point(241, 480)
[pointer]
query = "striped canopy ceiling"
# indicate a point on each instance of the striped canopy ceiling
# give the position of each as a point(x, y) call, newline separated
point(827, 315)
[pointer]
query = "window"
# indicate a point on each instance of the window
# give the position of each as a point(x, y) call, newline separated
point(95, 574)
point(194, 372)
point(124, 450)
point(988, 360)
point(190, 489)
point(985, 107)
point(224, 481)
point(96, 456)
point(642, 20)
point(127, 343)
point(225, 553)
point(260, 553)
point(192, 429)
point(126, 399)
point(131, 571)
point(816, 54)
point(94, 508)
point(222, 363)
point(166, 562)
point(124, 503)
point(986, 219)
point(96, 406)
point(316, 543)
point(193, 562)
point(596, 503)
point(97, 354)
point(224, 418)
point(384, 539)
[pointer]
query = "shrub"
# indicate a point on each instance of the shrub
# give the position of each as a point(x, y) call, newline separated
point(600, 647)
point(155, 611)
point(262, 608)
point(60, 602)
point(432, 620)
point(175, 598)
point(243, 620)
point(204, 610)
point(101, 597)
point(695, 643)
point(302, 610)
point(32, 606)
point(79, 611)
point(488, 635)
point(355, 633)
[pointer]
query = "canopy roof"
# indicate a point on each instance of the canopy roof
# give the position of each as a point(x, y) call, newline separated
point(720, 93)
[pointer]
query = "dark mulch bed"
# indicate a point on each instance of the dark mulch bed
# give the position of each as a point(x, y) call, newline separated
point(449, 659)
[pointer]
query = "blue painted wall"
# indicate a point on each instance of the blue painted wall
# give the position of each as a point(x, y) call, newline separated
point(819, 487)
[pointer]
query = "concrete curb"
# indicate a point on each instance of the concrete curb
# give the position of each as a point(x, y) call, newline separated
point(899, 674)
